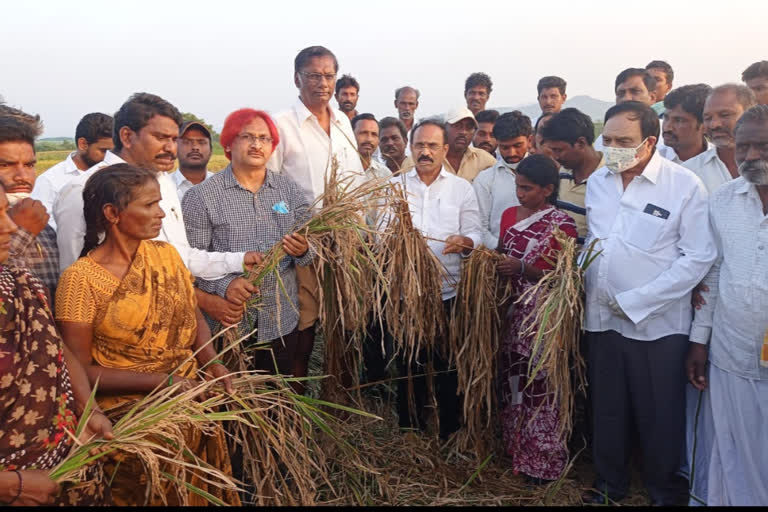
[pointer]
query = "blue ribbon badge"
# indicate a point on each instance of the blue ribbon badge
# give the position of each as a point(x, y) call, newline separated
point(280, 207)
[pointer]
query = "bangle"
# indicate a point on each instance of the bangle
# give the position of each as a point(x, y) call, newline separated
point(215, 361)
point(522, 267)
point(170, 380)
point(18, 493)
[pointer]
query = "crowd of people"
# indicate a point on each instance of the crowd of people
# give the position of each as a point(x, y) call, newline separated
point(117, 267)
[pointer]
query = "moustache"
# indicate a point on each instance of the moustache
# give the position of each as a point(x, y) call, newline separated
point(425, 159)
point(366, 145)
point(165, 155)
point(255, 152)
point(194, 153)
point(719, 131)
point(346, 103)
point(755, 171)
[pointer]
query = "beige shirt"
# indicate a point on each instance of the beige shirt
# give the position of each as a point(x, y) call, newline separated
point(570, 199)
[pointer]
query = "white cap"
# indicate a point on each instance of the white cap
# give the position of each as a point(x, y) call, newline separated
point(457, 114)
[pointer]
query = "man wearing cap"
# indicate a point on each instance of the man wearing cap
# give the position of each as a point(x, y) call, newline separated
point(462, 159)
point(194, 153)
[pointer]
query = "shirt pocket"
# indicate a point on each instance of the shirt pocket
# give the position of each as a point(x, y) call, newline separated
point(644, 230)
point(449, 220)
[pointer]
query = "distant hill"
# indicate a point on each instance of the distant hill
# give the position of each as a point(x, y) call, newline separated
point(593, 107)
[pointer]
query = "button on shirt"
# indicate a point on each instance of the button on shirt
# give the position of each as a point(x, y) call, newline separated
point(49, 183)
point(736, 312)
point(496, 191)
point(183, 184)
point(68, 210)
point(650, 261)
point(221, 215)
point(305, 151)
point(706, 165)
point(446, 207)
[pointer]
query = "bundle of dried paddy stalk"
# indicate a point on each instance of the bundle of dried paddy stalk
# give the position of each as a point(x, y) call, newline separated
point(555, 324)
point(474, 341)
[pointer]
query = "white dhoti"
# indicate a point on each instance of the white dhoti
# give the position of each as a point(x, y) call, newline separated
point(738, 467)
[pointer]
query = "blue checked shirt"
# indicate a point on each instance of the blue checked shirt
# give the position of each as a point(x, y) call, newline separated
point(222, 216)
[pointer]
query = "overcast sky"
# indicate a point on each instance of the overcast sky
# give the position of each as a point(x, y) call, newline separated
point(65, 59)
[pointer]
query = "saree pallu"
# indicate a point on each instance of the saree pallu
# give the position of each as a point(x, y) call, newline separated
point(37, 405)
point(144, 322)
point(529, 414)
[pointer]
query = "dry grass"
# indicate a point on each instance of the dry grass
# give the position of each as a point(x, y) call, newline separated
point(47, 159)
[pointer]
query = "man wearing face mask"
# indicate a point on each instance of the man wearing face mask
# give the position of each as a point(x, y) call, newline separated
point(646, 214)
point(463, 159)
point(731, 330)
point(33, 245)
point(495, 186)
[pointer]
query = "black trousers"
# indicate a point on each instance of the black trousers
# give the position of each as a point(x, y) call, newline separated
point(446, 386)
point(638, 385)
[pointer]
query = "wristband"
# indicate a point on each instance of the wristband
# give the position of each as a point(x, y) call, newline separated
point(215, 361)
point(522, 267)
point(170, 380)
point(18, 493)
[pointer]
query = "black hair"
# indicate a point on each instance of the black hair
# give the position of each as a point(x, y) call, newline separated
point(649, 120)
point(138, 110)
point(347, 81)
point(487, 116)
point(755, 70)
point(478, 79)
point(543, 171)
point(549, 82)
point(34, 122)
point(388, 122)
point(360, 117)
point(744, 95)
point(430, 121)
point(648, 80)
point(511, 125)
point(756, 114)
point(15, 129)
point(540, 120)
point(690, 98)
point(303, 57)
point(406, 88)
point(115, 185)
point(568, 125)
point(94, 126)
point(665, 67)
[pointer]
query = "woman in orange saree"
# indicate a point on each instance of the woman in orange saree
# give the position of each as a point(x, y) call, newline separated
point(127, 309)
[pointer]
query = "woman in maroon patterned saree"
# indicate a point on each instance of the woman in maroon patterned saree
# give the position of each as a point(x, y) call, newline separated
point(529, 415)
point(43, 389)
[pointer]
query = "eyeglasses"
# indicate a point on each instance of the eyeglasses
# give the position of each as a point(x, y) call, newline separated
point(252, 139)
point(432, 146)
point(317, 77)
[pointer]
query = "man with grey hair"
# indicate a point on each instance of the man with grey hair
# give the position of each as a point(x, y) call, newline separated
point(406, 103)
point(731, 329)
point(724, 106)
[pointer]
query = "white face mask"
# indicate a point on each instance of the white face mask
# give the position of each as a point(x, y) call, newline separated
point(15, 197)
point(619, 160)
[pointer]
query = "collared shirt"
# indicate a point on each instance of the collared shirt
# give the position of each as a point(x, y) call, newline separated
point(446, 207)
point(49, 183)
point(306, 152)
point(655, 249)
point(571, 199)
point(496, 191)
point(659, 108)
point(183, 184)
point(38, 254)
point(473, 161)
point(706, 165)
point(221, 215)
point(68, 210)
point(736, 312)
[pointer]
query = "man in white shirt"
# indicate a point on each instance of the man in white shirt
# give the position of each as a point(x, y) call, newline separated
point(194, 154)
point(633, 84)
point(495, 186)
point(646, 214)
point(313, 135)
point(444, 208)
point(146, 129)
point(734, 323)
point(366, 130)
point(724, 106)
point(93, 137)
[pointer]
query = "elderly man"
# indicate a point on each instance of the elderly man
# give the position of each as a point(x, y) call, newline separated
point(495, 187)
point(462, 159)
point(194, 154)
point(477, 91)
point(724, 106)
point(347, 94)
point(313, 135)
point(664, 76)
point(646, 214)
point(444, 208)
point(406, 103)
point(484, 138)
point(93, 137)
point(33, 244)
point(731, 331)
point(756, 78)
